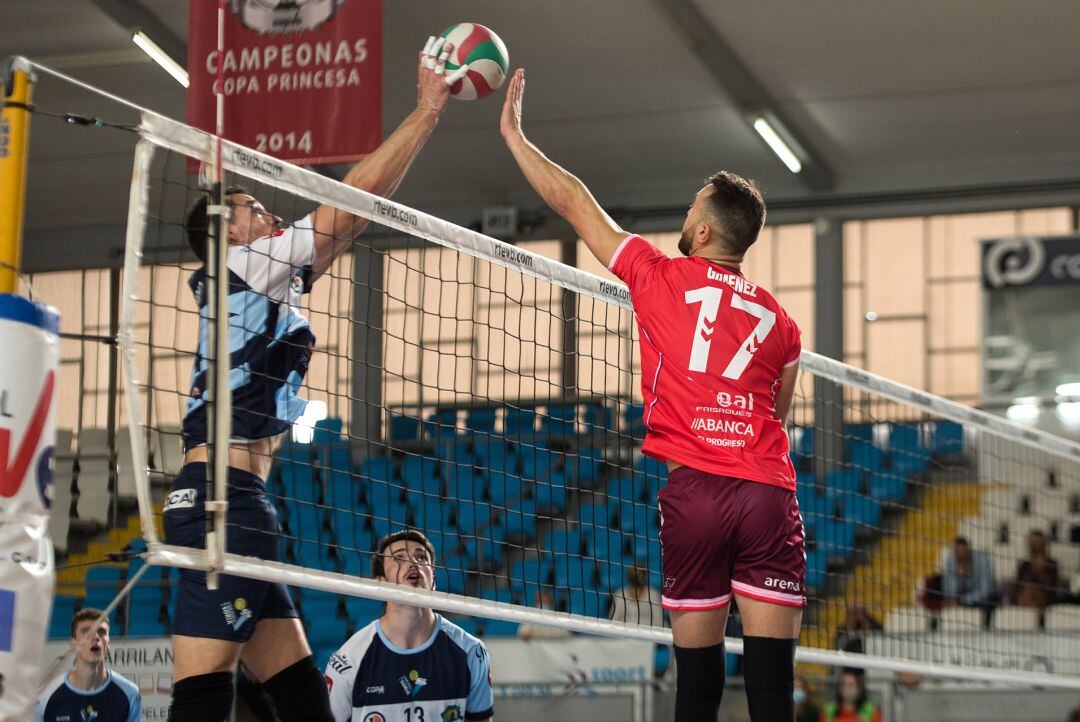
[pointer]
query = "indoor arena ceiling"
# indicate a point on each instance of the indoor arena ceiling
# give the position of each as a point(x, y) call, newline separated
point(642, 98)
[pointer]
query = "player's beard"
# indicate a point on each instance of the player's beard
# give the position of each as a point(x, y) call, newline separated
point(686, 244)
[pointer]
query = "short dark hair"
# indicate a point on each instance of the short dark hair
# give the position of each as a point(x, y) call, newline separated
point(739, 207)
point(86, 614)
point(961, 541)
point(413, 535)
point(197, 224)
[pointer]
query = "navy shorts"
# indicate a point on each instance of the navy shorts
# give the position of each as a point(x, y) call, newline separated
point(232, 611)
point(719, 535)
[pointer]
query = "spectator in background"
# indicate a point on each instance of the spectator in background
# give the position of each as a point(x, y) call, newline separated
point(637, 602)
point(858, 624)
point(527, 632)
point(89, 690)
point(968, 579)
point(806, 709)
point(1037, 576)
point(850, 703)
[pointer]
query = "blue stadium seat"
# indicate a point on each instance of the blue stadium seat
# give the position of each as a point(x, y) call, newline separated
point(421, 473)
point(844, 480)
point(611, 575)
point(404, 428)
point(430, 512)
point(389, 518)
point(520, 422)
point(551, 492)
point(594, 515)
point(480, 420)
point(446, 541)
point(574, 571)
point(500, 628)
point(501, 594)
point(802, 442)
point(380, 493)
point(441, 426)
point(865, 456)
point(494, 454)
point(604, 542)
point(816, 564)
point(536, 462)
point(503, 487)
point(907, 462)
point(861, 432)
point(598, 417)
point(469, 624)
point(102, 584)
point(462, 483)
point(661, 659)
point(298, 480)
point(144, 620)
point(313, 555)
point(906, 438)
point(948, 438)
point(651, 467)
point(527, 576)
point(317, 603)
point(520, 519)
point(304, 520)
point(861, 509)
point(627, 487)
point(363, 611)
point(60, 621)
point(326, 635)
point(888, 487)
point(634, 416)
point(451, 574)
point(586, 602)
point(647, 551)
point(471, 515)
point(559, 420)
point(377, 467)
point(836, 537)
point(356, 560)
point(585, 467)
point(633, 517)
point(327, 430)
point(483, 550)
point(562, 542)
point(653, 484)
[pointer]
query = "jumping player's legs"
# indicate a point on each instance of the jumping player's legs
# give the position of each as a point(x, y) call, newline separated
point(768, 579)
point(695, 526)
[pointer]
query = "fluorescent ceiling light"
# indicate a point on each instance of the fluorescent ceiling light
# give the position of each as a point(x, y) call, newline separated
point(772, 138)
point(160, 57)
point(1069, 412)
point(1069, 389)
point(1022, 412)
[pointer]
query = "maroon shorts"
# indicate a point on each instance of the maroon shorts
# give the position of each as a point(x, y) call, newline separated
point(720, 534)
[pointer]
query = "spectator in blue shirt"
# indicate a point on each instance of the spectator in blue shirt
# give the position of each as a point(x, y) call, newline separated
point(968, 579)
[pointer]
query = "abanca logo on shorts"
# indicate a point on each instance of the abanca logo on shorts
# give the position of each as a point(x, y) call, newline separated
point(781, 584)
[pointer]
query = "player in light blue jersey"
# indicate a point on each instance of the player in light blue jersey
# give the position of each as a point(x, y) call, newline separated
point(410, 665)
point(90, 690)
point(270, 266)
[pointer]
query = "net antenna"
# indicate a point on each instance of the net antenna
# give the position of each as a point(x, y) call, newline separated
point(220, 425)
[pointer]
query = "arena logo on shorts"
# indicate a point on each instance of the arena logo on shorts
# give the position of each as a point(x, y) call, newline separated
point(236, 613)
point(180, 499)
point(781, 584)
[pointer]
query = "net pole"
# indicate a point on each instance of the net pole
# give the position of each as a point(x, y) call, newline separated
point(221, 393)
point(18, 83)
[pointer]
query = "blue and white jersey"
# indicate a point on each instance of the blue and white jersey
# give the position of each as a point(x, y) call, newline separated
point(447, 678)
point(117, 700)
point(270, 341)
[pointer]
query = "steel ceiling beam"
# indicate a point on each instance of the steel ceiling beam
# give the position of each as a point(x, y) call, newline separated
point(753, 99)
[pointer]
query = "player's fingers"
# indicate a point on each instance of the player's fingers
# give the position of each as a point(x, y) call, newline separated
point(457, 74)
point(433, 53)
point(440, 63)
point(428, 44)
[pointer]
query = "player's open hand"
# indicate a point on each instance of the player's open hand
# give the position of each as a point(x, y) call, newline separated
point(510, 124)
point(433, 85)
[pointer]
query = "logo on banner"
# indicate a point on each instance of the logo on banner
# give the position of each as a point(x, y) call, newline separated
point(13, 469)
point(1014, 261)
point(284, 16)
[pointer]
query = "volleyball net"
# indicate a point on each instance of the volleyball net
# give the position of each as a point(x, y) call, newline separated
point(488, 395)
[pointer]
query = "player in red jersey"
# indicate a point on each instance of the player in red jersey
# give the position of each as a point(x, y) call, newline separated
point(719, 361)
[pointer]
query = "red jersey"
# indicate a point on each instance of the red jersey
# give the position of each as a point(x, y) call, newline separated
point(713, 347)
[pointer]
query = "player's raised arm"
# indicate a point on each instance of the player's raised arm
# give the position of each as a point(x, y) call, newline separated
point(382, 172)
point(559, 188)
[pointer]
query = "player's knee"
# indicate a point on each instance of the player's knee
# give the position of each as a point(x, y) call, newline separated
point(699, 684)
point(202, 698)
point(299, 693)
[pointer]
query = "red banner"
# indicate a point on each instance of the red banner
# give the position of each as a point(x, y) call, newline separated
point(302, 79)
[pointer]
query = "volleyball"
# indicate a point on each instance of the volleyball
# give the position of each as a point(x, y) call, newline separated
point(486, 55)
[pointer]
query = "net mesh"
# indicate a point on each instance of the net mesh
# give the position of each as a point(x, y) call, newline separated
point(489, 397)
